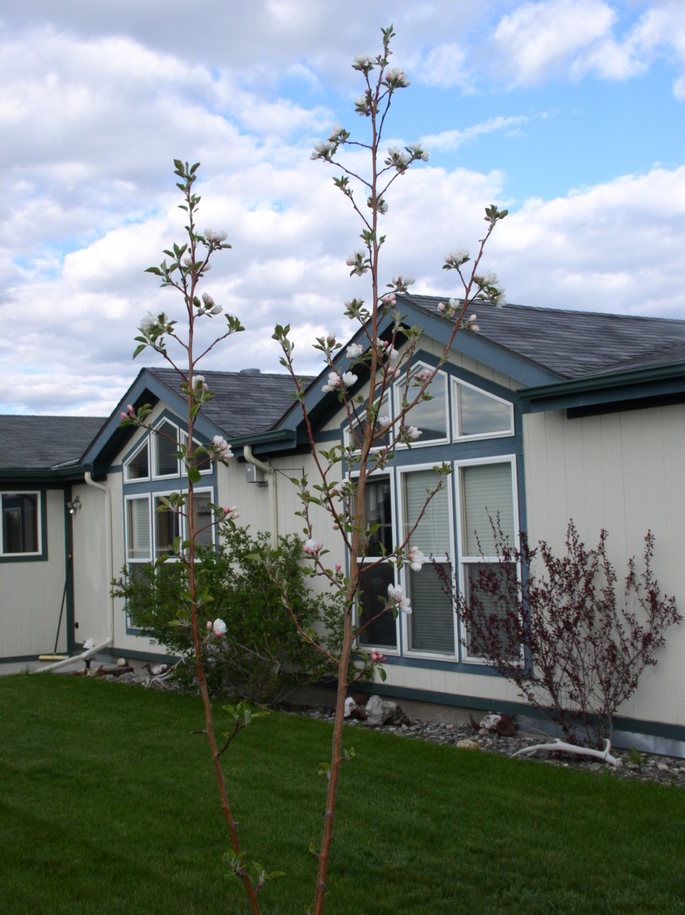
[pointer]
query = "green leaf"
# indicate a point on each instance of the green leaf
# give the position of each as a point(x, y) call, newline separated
point(194, 474)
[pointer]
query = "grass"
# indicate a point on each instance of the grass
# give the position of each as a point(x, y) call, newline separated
point(108, 805)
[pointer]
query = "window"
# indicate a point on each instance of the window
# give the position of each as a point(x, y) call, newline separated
point(137, 467)
point(429, 416)
point(487, 499)
point(20, 532)
point(453, 530)
point(167, 527)
point(203, 518)
point(151, 534)
point(166, 441)
point(138, 547)
point(384, 415)
point(374, 581)
point(478, 414)
point(431, 623)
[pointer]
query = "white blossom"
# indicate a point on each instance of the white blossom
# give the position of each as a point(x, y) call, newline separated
point(219, 628)
point(215, 236)
point(147, 323)
point(354, 350)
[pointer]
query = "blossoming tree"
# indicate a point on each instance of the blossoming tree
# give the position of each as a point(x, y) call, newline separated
point(183, 269)
point(361, 378)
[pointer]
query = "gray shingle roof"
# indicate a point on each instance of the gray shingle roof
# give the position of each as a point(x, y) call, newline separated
point(245, 403)
point(40, 442)
point(573, 344)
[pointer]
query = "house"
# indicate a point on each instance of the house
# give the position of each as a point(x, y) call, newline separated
point(544, 415)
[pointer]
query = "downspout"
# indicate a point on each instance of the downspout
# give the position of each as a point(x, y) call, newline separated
point(273, 492)
point(109, 640)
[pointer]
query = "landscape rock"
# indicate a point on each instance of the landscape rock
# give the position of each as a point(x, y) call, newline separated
point(468, 743)
point(380, 712)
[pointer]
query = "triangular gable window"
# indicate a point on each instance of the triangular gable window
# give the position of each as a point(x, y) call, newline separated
point(137, 467)
point(478, 414)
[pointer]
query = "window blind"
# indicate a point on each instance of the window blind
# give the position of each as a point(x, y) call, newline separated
point(487, 491)
point(432, 618)
point(433, 533)
point(138, 524)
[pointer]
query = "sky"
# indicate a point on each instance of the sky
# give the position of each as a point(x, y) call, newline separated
point(570, 113)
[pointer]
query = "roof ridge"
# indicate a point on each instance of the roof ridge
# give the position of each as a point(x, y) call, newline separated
point(548, 309)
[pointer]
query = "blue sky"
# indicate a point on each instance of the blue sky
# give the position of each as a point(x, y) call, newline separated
point(570, 112)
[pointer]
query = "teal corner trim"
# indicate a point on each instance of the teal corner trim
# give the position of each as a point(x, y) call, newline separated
point(69, 571)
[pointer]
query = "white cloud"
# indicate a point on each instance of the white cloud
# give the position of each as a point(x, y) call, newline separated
point(575, 38)
point(97, 98)
point(453, 139)
point(539, 37)
point(615, 247)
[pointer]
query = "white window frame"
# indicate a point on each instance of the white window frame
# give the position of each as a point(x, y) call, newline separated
point(183, 441)
point(398, 387)
point(139, 497)
point(144, 441)
point(154, 495)
point(446, 558)
point(368, 646)
point(198, 491)
point(465, 559)
point(155, 435)
point(456, 424)
point(347, 436)
point(39, 523)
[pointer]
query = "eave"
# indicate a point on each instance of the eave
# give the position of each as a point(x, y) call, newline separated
point(591, 393)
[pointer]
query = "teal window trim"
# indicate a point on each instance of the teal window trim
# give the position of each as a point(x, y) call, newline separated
point(506, 447)
point(152, 486)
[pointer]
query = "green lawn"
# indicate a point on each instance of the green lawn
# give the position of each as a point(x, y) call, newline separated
point(108, 805)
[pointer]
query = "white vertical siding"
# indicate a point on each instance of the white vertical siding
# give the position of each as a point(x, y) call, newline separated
point(31, 593)
point(622, 472)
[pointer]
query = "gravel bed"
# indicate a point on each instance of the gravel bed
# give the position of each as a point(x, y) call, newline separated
point(666, 770)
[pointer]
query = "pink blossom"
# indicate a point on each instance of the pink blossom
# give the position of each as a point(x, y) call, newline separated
point(377, 657)
point(312, 547)
point(210, 625)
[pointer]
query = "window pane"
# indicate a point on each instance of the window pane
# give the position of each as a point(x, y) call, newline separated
point(432, 534)
point(480, 414)
point(373, 585)
point(487, 493)
point(432, 617)
point(499, 577)
point(379, 511)
point(383, 417)
point(137, 466)
point(166, 528)
point(429, 416)
point(138, 529)
point(202, 518)
point(20, 522)
point(202, 461)
point(166, 462)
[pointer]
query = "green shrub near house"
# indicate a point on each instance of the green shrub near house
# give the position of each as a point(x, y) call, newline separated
point(263, 656)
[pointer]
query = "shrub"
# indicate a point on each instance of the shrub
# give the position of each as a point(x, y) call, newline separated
point(574, 649)
point(262, 657)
